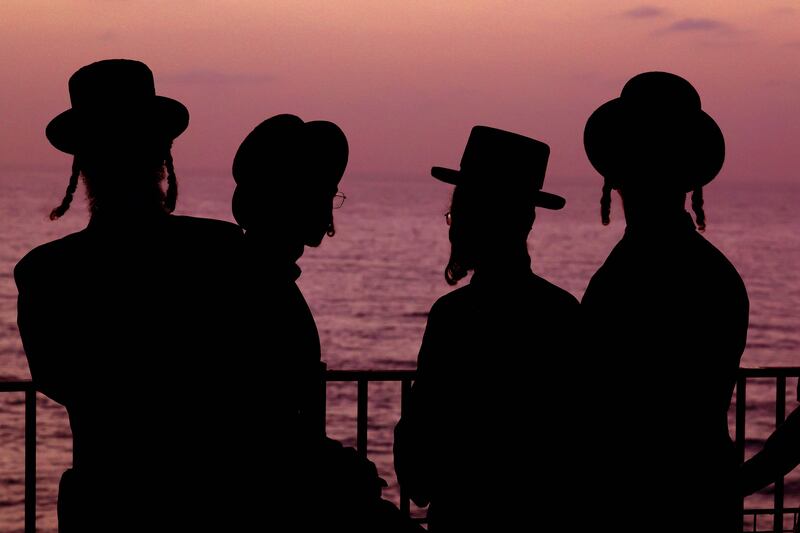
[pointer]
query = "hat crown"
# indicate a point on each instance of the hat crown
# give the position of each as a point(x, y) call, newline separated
point(111, 81)
point(661, 93)
point(286, 145)
point(494, 151)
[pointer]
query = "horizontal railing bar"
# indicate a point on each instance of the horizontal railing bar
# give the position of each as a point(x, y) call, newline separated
point(16, 386)
point(369, 375)
point(765, 511)
point(770, 371)
point(400, 375)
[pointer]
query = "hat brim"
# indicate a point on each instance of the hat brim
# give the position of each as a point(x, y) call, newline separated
point(625, 143)
point(547, 200)
point(541, 199)
point(447, 175)
point(72, 129)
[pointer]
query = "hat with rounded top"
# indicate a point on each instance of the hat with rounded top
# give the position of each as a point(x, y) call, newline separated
point(655, 133)
point(284, 154)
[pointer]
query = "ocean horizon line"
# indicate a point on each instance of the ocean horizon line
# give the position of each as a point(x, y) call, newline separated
point(190, 171)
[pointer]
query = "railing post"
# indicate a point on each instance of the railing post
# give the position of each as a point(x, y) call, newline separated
point(780, 415)
point(322, 399)
point(741, 408)
point(30, 460)
point(361, 421)
point(405, 389)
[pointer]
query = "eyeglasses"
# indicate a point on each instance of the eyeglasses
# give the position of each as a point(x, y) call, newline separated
point(338, 200)
point(448, 218)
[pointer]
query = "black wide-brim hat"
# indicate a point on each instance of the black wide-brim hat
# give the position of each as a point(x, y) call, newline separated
point(286, 156)
point(115, 100)
point(655, 130)
point(504, 162)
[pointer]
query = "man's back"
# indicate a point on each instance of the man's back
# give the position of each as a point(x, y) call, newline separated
point(666, 326)
point(488, 407)
point(131, 328)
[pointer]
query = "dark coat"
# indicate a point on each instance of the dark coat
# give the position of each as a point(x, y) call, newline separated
point(666, 319)
point(282, 322)
point(315, 483)
point(131, 328)
point(486, 434)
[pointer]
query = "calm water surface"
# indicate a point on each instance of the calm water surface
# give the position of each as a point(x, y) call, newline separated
point(371, 286)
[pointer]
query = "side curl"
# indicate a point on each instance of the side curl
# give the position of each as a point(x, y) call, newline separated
point(59, 211)
point(171, 197)
point(605, 203)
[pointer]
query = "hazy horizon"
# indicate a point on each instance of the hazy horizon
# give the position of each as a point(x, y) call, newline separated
point(187, 172)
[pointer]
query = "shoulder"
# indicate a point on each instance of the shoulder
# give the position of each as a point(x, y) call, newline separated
point(452, 301)
point(450, 308)
point(206, 236)
point(712, 257)
point(48, 260)
point(206, 227)
point(616, 262)
point(716, 268)
point(552, 292)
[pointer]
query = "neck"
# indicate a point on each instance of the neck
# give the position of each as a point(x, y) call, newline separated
point(125, 213)
point(505, 259)
point(653, 210)
point(278, 246)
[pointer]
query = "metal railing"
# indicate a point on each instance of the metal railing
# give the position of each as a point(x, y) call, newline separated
point(30, 447)
point(776, 525)
point(363, 377)
point(779, 374)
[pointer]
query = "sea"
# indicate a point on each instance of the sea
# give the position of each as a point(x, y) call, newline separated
point(371, 285)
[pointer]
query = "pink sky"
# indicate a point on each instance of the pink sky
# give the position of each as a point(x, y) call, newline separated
point(407, 80)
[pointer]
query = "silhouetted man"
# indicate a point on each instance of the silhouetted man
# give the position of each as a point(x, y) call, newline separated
point(485, 438)
point(666, 318)
point(129, 323)
point(287, 173)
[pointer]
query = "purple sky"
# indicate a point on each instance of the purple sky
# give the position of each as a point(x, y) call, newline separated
point(407, 80)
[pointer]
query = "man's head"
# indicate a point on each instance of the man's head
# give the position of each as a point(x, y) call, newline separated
point(497, 189)
point(287, 173)
point(654, 143)
point(120, 133)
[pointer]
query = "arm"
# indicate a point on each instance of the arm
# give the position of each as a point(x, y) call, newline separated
point(413, 461)
point(781, 453)
point(44, 333)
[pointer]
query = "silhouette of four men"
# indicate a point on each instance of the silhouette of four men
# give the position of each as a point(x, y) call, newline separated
point(188, 359)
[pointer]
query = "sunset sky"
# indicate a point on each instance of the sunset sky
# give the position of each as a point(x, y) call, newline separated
point(407, 80)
